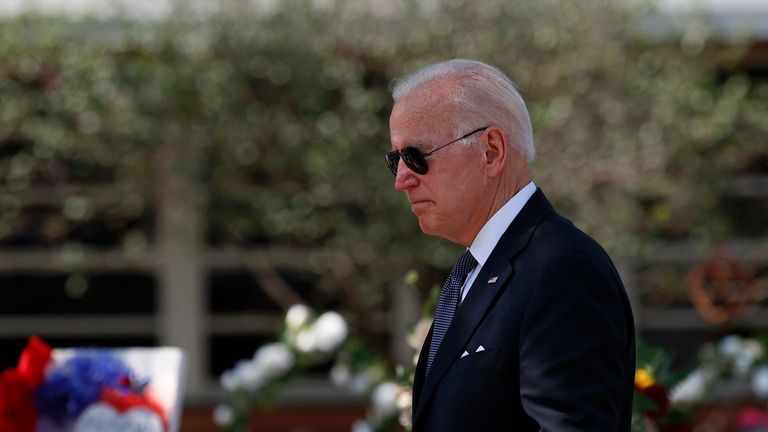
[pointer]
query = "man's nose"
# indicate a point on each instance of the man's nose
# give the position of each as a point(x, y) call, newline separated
point(405, 178)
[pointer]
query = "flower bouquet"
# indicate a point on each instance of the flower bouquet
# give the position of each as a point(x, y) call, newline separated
point(253, 383)
point(655, 407)
point(389, 397)
point(85, 390)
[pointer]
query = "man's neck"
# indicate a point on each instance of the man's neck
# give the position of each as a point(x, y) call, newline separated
point(504, 192)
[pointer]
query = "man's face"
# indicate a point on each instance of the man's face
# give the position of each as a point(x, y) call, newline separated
point(448, 199)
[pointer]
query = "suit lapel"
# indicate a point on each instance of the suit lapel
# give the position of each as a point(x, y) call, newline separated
point(480, 298)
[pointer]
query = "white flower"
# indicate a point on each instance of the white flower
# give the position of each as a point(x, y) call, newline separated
point(404, 404)
point(305, 341)
point(692, 388)
point(268, 362)
point(384, 400)
point(361, 426)
point(249, 376)
point(329, 331)
point(274, 359)
point(741, 366)
point(416, 338)
point(753, 349)
point(404, 398)
point(223, 415)
point(741, 352)
point(729, 346)
point(760, 382)
point(359, 382)
point(228, 380)
point(297, 316)
point(340, 375)
point(405, 419)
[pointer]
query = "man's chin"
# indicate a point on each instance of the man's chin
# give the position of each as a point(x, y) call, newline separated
point(426, 227)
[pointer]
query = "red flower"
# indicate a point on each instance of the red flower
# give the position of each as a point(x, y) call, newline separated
point(17, 409)
point(658, 394)
point(34, 360)
point(752, 418)
point(125, 400)
point(16, 404)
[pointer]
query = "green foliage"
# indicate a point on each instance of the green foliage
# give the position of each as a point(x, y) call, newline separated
point(652, 358)
point(651, 401)
point(286, 111)
point(357, 357)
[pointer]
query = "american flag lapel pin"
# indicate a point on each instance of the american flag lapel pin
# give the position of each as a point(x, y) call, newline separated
point(493, 279)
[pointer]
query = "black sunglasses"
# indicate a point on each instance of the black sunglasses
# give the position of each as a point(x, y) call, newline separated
point(415, 159)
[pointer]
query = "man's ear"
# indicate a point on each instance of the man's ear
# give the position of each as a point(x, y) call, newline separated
point(495, 151)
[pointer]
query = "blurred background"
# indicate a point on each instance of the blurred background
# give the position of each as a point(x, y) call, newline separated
point(181, 172)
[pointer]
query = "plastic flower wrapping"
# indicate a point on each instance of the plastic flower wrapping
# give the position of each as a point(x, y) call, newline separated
point(307, 339)
point(91, 390)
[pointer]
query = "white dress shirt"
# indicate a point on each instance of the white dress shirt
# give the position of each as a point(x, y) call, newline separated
point(489, 235)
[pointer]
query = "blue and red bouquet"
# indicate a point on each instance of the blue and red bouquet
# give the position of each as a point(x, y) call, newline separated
point(87, 391)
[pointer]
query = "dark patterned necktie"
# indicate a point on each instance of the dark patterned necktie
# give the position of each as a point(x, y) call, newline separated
point(447, 302)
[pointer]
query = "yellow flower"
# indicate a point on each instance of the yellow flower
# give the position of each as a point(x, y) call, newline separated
point(644, 378)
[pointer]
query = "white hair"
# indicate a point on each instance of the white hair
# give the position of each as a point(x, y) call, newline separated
point(484, 93)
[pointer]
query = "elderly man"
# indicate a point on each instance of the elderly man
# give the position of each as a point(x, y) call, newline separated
point(533, 329)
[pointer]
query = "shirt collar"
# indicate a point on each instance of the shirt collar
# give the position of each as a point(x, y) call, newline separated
point(489, 235)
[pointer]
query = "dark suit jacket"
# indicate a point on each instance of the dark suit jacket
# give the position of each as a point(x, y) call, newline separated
point(558, 337)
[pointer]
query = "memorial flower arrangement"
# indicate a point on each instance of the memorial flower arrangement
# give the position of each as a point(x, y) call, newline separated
point(738, 362)
point(653, 409)
point(733, 367)
point(307, 339)
point(87, 391)
point(389, 395)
